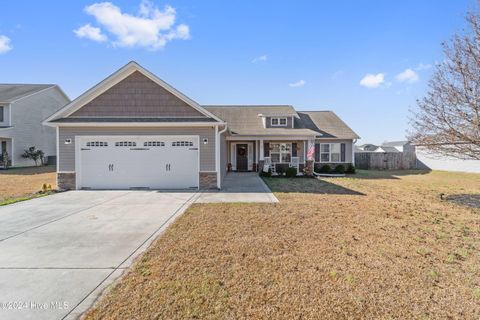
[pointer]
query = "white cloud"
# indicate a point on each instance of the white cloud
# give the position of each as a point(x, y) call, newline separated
point(260, 58)
point(92, 33)
point(373, 80)
point(5, 45)
point(408, 75)
point(297, 84)
point(151, 28)
point(422, 66)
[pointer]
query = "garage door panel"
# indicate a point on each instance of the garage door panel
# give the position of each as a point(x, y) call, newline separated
point(156, 162)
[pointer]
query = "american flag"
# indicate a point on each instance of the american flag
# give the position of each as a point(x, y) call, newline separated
point(310, 151)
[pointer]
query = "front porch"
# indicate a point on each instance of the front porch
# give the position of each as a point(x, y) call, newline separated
point(252, 155)
point(6, 151)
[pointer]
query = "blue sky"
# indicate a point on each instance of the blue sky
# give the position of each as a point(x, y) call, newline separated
point(366, 60)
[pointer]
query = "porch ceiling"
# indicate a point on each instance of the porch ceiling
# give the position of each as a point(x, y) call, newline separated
point(269, 138)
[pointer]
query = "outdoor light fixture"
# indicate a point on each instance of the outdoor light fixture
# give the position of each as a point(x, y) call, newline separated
point(68, 141)
point(205, 141)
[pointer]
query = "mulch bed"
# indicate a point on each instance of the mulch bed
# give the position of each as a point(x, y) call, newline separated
point(469, 200)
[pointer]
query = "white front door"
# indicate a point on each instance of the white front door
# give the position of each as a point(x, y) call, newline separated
point(124, 162)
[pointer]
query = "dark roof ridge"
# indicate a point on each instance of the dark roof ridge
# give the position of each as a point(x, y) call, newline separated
point(28, 84)
point(317, 111)
point(247, 105)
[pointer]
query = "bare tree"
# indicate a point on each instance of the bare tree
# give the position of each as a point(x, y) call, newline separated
point(448, 117)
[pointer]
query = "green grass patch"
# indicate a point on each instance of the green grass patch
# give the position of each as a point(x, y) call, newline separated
point(8, 201)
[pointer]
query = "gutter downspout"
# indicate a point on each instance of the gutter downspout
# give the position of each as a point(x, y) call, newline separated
point(353, 151)
point(217, 153)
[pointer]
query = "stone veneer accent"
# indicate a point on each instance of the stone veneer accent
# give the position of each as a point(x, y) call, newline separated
point(66, 181)
point(208, 180)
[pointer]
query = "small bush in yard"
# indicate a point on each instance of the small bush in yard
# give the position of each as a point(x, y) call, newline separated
point(291, 172)
point(280, 170)
point(267, 174)
point(340, 168)
point(34, 154)
point(46, 188)
point(350, 169)
point(325, 169)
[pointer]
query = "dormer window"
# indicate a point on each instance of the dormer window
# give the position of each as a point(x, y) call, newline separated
point(278, 122)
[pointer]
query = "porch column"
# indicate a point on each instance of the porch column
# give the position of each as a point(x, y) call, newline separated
point(261, 152)
point(305, 151)
point(261, 159)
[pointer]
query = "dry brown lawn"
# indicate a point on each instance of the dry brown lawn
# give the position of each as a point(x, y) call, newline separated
point(380, 245)
point(23, 182)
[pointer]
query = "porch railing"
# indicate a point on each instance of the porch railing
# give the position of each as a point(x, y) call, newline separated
point(268, 164)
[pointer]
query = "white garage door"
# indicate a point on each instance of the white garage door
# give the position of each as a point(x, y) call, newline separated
point(125, 162)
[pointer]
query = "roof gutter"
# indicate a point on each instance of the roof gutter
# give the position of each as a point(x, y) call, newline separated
point(132, 124)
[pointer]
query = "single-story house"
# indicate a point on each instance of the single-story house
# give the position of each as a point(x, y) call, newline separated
point(387, 146)
point(23, 107)
point(133, 130)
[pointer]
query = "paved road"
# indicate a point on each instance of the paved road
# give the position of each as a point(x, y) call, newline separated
point(59, 252)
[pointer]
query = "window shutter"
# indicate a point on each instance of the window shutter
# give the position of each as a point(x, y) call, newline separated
point(294, 149)
point(342, 152)
point(317, 152)
point(266, 149)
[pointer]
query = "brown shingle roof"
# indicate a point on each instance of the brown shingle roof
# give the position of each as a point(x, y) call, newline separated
point(12, 92)
point(327, 123)
point(244, 120)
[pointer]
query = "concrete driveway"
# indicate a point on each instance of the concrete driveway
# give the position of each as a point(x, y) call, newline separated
point(59, 252)
point(240, 187)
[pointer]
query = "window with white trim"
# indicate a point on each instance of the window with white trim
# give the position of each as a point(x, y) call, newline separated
point(330, 152)
point(97, 144)
point(154, 144)
point(281, 152)
point(125, 144)
point(2, 113)
point(278, 122)
point(182, 144)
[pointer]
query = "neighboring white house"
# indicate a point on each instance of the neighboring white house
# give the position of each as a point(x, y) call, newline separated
point(23, 107)
point(426, 160)
point(387, 146)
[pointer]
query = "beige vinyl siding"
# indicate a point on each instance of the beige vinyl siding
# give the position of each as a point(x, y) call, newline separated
point(137, 96)
point(67, 151)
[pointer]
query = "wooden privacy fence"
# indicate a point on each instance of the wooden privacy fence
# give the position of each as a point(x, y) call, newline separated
point(385, 160)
